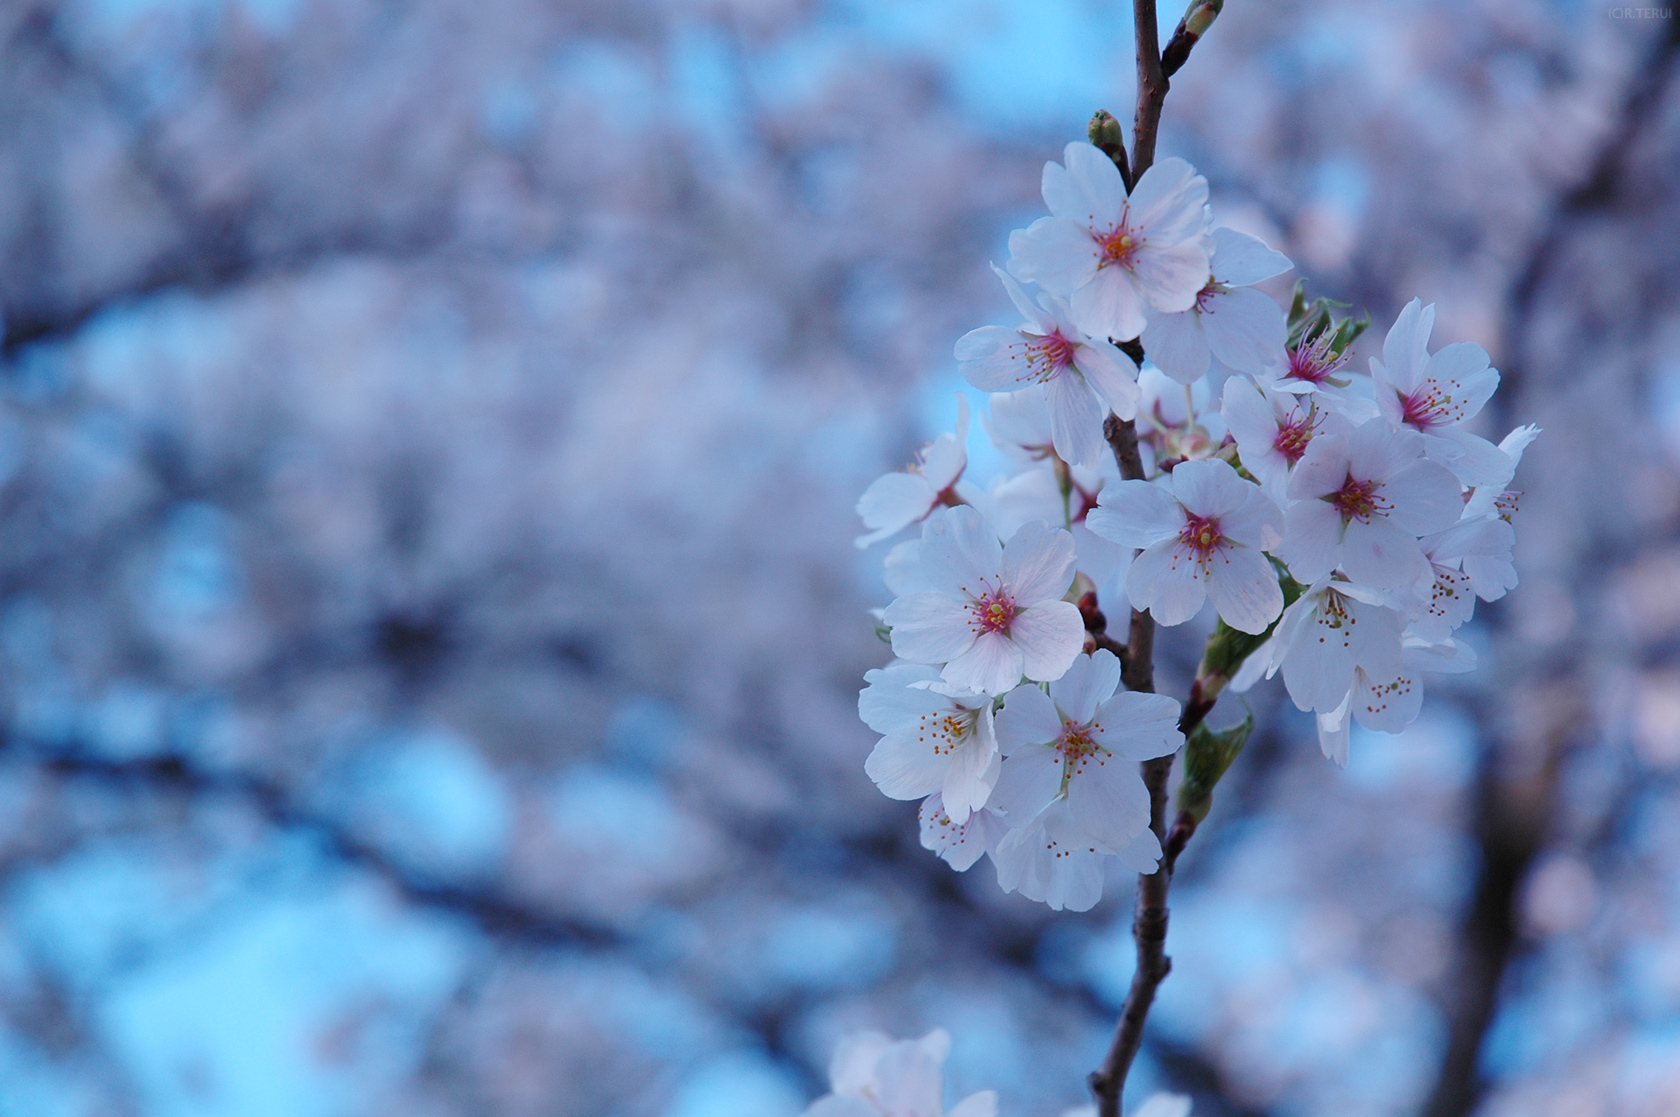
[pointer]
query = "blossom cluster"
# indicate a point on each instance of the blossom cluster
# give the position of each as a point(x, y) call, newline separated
point(1345, 522)
point(874, 1075)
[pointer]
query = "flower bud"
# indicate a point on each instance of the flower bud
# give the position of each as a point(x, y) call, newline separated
point(1199, 16)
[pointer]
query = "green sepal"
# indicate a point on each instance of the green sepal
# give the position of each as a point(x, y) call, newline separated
point(1317, 318)
point(1207, 756)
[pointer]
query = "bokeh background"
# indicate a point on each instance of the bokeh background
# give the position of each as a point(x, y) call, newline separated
point(429, 624)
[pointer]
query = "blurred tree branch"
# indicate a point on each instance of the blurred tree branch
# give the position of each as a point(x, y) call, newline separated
point(1513, 808)
point(494, 914)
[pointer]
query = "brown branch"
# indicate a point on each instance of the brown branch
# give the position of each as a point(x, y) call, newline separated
point(1149, 924)
point(1149, 929)
point(1151, 87)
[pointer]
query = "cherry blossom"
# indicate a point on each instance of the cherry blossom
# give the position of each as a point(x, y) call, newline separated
point(1082, 379)
point(872, 1075)
point(960, 844)
point(994, 613)
point(1202, 539)
point(1331, 631)
point(894, 501)
point(1451, 597)
point(1434, 394)
point(1483, 499)
point(1361, 501)
point(1054, 861)
point(1389, 703)
point(1112, 256)
point(1073, 744)
point(1272, 429)
point(1312, 365)
point(1241, 327)
point(934, 738)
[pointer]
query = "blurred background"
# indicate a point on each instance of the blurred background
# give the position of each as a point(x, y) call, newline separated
point(429, 625)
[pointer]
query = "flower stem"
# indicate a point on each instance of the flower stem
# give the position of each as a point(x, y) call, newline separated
point(1149, 925)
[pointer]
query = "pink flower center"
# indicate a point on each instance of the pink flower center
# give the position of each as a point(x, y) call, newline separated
point(1049, 355)
point(1204, 297)
point(1359, 500)
point(994, 612)
point(1119, 246)
point(1202, 535)
point(1078, 747)
point(1076, 742)
point(1314, 361)
point(1292, 438)
point(1431, 406)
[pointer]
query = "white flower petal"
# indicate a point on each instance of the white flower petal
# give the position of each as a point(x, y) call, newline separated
point(991, 664)
point(1312, 539)
point(1178, 345)
point(906, 765)
point(889, 703)
point(1210, 488)
point(1076, 419)
point(1050, 635)
point(1088, 683)
point(1245, 329)
point(1170, 276)
point(1141, 855)
point(1028, 717)
point(1109, 802)
point(1135, 514)
point(1087, 190)
point(1240, 259)
point(1475, 461)
point(1426, 498)
point(1030, 779)
point(1037, 564)
point(893, 502)
point(1166, 582)
point(1406, 348)
point(1333, 726)
point(1387, 704)
point(1139, 726)
point(994, 359)
point(1168, 203)
point(1109, 305)
point(1381, 554)
point(973, 769)
point(929, 627)
point(960, 553)
point(1112, 374)
point(1244, 589)
point(1058, 255)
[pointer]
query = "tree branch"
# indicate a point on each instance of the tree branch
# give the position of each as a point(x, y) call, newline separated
point(497, 915)
point(1511, 813)
point(1149, 924)
point(1151, 87)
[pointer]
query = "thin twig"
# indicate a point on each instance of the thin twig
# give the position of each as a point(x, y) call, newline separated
point(1151, 87)
point(1149, 924)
